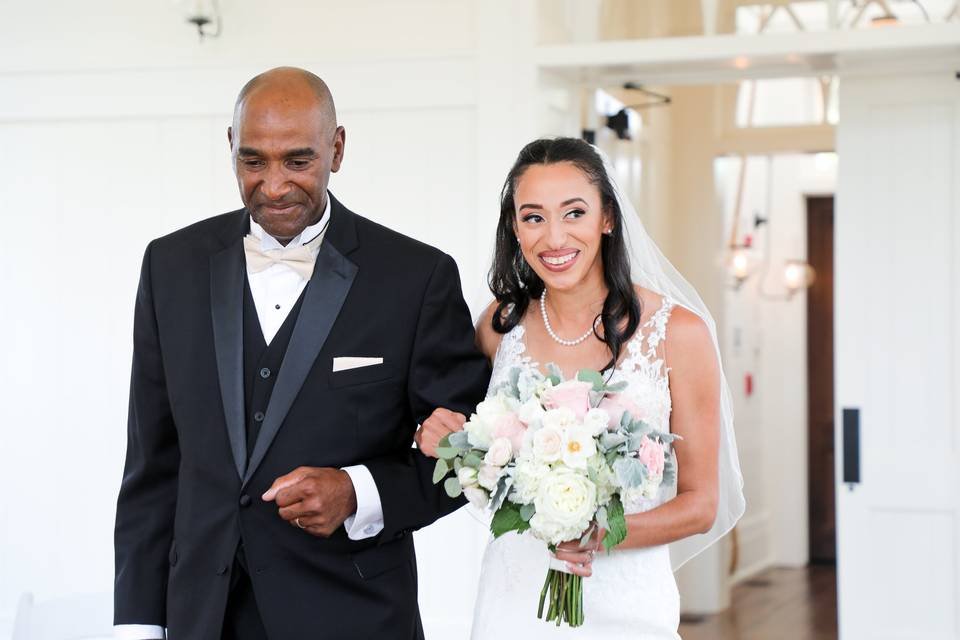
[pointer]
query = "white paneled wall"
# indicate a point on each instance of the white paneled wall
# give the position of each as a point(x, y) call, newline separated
point(113, 131)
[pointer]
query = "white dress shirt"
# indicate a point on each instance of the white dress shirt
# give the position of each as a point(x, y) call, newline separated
point(275, 291)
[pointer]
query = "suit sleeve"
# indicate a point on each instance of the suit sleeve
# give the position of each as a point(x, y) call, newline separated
point(446, 370)
point(148, 491)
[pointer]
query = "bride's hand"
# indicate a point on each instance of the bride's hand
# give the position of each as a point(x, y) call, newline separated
point(579, 558)
point(441, 422)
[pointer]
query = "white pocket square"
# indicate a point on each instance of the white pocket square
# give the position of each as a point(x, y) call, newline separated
point(353, 362)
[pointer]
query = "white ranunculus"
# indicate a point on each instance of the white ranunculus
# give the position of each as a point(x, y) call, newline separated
point(596, 420)
point(560, 419)
point(578, 447)
point(499, 453)
point(467, 477)
point(565, 504)
point(548, 444)
point(477, 497)
point(530, 412)
point(488, 476)
point(527, 475)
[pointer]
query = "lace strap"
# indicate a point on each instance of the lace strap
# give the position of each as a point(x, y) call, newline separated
point(658, 325)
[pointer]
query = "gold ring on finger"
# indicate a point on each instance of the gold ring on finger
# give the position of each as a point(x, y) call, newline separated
point(297, 521)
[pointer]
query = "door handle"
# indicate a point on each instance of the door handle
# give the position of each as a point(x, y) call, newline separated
point(851, 447)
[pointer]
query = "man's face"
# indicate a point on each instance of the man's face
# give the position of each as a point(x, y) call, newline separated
point(284, 148)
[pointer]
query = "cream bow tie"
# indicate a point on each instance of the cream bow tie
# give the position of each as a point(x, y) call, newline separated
point(300, 259)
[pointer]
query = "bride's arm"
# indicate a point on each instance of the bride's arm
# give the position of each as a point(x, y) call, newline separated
point(695, 396)
point(442, 421)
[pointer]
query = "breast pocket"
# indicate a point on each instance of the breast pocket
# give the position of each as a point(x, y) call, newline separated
point(362, 375)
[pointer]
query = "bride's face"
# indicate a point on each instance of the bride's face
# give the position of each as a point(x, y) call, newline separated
point(559, 221)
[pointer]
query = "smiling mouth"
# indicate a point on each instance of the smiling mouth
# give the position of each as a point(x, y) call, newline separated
point(559, 262)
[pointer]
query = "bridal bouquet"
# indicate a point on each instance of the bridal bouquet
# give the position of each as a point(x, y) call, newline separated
point(556, 458)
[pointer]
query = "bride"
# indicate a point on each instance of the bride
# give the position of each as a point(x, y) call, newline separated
point(578, 283)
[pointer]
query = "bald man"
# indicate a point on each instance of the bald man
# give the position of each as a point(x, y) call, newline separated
point(283, 356)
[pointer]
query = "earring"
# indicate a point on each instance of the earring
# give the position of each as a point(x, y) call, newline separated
point(608, 232)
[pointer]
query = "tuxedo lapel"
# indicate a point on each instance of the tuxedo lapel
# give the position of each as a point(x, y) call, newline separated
point(226, 306)
point(323, 298)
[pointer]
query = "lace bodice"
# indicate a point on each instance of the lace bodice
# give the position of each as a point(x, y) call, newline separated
point(642, 367)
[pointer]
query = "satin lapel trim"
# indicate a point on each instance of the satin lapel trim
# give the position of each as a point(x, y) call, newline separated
point(227, 271)
point(325, 294)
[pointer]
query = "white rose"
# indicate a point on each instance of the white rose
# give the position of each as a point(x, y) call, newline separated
point(596, 421)
point(488, 476)
point(565, 505)
point(530, 412)
point(477, 497)
point(548, 444)
point(467, 476)
point(561, 418)
point(578, 447)
point(499, 453)
point(481, 424)
point(526, 479)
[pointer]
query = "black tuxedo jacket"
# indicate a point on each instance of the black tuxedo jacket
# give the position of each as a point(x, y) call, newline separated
point(191, 491)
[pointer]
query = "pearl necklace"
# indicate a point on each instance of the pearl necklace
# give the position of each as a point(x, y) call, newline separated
point(556, 338)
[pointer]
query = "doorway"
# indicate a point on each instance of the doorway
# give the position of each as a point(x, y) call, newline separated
point(820, 387)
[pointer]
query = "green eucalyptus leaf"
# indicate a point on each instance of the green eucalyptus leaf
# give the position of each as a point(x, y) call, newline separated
point(472, 459)
point(447, 453)
point(452, 487)
point(616, 387)
point(440, 470)
point(591, 376)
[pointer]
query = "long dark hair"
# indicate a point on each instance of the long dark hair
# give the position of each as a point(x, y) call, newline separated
point(515, 283)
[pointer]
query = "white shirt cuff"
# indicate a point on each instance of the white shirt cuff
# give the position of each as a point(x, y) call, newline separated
point(368, 520)
point(139, 632)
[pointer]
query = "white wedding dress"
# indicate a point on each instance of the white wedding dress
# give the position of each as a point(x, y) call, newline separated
point(632, 592)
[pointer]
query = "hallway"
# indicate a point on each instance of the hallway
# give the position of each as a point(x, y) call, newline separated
point(778, 604)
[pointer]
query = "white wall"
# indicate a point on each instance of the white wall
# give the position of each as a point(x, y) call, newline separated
point(767, 339)
point(112, 125)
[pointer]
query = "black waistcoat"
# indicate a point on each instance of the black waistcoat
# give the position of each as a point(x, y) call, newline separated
point(261, 363)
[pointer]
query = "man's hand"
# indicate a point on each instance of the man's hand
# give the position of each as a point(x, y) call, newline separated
point(314, 499)
point(441, 422)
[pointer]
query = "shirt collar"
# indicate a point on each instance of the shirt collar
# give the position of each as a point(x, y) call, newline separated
point(268, 242)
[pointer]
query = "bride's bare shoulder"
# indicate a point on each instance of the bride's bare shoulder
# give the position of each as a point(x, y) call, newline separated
point(649, 300)
point(685, 328)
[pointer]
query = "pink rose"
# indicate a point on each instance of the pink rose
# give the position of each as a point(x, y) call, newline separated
point(509, 426)
point(651, 455)
point(615, 404)
point(572, 394)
